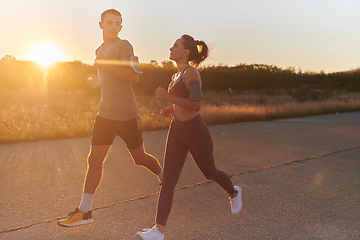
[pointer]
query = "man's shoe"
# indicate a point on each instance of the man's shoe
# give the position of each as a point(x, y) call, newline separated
point(76, 218)
point(152, 234)
point(236, 202)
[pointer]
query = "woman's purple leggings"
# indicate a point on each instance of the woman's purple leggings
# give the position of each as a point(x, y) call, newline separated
point(184, 136)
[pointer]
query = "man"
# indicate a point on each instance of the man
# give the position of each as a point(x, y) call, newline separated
point(118, 113)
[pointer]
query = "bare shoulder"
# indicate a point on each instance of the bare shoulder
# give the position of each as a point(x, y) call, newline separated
point(191, 74)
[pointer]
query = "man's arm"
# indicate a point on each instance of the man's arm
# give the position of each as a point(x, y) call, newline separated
point(125, 73)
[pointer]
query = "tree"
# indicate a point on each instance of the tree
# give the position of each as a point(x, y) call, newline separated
point(167, 64)
point(8, 59)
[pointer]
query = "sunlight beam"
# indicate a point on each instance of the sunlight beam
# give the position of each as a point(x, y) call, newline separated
point(45, 54)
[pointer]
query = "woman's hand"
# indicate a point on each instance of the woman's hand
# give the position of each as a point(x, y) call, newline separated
point(166, 112)
point(162, 93)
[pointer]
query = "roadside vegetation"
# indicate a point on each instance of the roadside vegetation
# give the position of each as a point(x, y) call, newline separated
point(41, 115)
point(56, 102)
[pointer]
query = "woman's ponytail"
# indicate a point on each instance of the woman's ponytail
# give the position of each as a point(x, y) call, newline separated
point(197, 55)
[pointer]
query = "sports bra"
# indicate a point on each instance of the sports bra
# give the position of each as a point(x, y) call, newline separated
point(178, 88)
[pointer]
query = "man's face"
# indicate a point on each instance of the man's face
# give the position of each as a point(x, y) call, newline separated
point(111, 26)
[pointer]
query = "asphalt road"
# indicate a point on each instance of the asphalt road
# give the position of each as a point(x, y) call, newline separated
point(300, 180)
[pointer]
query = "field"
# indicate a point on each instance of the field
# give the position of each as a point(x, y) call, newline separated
point(41, 115)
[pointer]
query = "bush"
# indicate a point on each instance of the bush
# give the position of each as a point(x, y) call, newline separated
point(72, 76)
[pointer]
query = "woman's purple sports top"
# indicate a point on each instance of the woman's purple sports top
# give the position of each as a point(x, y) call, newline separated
point(178, 88)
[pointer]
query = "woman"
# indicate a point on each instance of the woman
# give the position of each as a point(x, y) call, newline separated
point(187, 132)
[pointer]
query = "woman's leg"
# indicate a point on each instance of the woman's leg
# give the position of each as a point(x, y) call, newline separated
point(175, 156)
point(201, 150)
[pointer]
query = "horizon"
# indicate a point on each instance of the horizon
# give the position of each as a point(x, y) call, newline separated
point(160, 64)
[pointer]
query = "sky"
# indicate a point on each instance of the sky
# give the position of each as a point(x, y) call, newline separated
point(311, 35)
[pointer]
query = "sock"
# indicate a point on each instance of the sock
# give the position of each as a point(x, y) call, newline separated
point(86, 202)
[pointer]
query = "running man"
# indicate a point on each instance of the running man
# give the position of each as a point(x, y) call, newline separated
point(118, 113)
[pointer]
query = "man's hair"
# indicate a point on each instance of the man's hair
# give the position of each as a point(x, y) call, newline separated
point(111, 11)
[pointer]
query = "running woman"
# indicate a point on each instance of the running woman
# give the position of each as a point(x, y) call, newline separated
point(187, 132)
point(118, 113)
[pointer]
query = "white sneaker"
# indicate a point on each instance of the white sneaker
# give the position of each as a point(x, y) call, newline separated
point(236, 202)
point(152, 234)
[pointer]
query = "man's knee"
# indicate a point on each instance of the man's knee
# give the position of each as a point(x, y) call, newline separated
point(94, 161)
point(139, 156)
point(142, 159)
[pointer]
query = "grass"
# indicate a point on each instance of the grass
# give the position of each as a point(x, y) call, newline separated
point(42, 115)
point(221, 108)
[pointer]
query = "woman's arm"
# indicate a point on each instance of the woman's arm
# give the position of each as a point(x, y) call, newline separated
point(161, 93)
point(166, 112)
point(191, 74)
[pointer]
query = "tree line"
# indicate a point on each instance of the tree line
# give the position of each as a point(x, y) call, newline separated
point(72, 76)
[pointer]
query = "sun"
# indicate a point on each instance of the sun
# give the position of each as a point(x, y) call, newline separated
point(45, 54)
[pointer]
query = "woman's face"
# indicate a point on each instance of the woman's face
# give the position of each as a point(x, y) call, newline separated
point(177, 51)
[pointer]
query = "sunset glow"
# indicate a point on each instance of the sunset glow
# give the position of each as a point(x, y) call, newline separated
point(311, 36)
point(45, 54)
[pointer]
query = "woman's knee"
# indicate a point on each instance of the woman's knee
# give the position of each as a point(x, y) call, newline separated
point(168, 184)
point(210, 174)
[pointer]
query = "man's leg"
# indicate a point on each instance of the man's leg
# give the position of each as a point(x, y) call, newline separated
point(82, 214)
point(95, 160)
point(142, 158)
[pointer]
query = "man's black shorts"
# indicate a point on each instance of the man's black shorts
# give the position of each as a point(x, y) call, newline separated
point(105, 131)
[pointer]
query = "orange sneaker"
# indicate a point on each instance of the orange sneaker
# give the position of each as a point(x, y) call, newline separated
point(76, 218)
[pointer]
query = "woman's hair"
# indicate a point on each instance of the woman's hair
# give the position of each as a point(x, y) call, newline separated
point(196, 55)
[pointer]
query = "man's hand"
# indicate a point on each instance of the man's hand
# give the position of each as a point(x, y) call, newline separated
point(93, 81)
